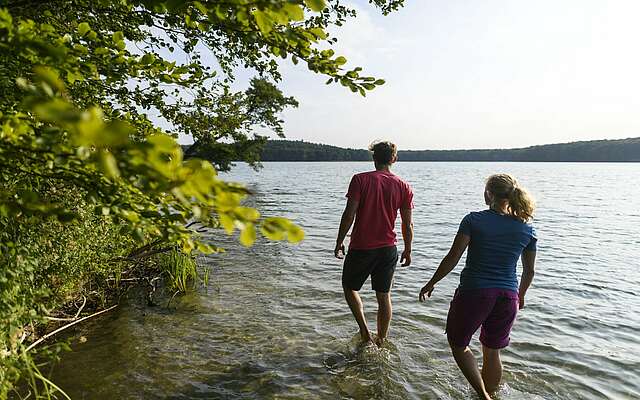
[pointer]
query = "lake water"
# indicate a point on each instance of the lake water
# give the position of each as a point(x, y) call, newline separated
point(272, 323)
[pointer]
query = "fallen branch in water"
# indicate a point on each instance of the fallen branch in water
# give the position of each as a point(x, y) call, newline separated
point(84, 302)
point(48, 335)
point(124, 279)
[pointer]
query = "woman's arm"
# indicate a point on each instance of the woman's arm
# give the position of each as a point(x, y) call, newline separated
point(447, 264)
point(528, 271)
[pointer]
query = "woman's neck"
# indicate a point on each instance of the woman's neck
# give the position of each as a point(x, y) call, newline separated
point(500, 208)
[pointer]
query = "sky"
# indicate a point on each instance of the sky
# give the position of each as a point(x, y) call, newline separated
point(466, 74)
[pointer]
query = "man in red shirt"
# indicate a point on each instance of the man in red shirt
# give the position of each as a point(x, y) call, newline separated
point(373, 201)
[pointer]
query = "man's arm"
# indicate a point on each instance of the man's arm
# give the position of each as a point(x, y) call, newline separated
point(348, 216)
point(528, 271)
point(448, 263)
point(407, 235)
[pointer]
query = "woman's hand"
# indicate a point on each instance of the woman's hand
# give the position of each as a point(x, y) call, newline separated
point(426, 291)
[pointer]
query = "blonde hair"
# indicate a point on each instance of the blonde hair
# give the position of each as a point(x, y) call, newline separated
point(505, 187)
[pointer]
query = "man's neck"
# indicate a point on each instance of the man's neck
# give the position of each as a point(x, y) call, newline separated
point(385, 167)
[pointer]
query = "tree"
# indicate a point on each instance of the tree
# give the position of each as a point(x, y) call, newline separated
point(86, 86)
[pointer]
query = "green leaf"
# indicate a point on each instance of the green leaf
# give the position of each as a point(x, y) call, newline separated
point(277, 228)
point(295, 234)
point(148, 59)
point(319, 33)
point(118, 40)
point(340, 60)
point(117, 36)
point(72, 77)
point(56, 110)
point(206, 248)
point(227, 223)
point(49, 76)
point(200, 7)
point(108, 164)
point(248, 235)
point(247, 213)
point(130, 216)
point(83, 28)
point(294, 11)
point(263, 21)
point(315, 5)
point(138, 235)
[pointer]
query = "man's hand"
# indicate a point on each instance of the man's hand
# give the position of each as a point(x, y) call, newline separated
point(426, 291)
point(521, 301)
point(405, 259)
point(339, 248)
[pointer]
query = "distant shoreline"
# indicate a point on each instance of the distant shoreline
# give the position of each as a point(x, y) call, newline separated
point(595, 151)
point(454, 161)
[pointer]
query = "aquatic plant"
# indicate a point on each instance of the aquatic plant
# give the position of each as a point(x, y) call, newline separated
point(181, 269)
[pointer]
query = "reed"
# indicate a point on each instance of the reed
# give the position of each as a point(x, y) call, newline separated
point(181, 270)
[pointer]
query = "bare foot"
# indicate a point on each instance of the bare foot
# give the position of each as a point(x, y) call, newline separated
point(485, 396)
point(380, 341)
point(366, 337)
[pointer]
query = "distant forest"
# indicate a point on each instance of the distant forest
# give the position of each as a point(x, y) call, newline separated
point(624, 150)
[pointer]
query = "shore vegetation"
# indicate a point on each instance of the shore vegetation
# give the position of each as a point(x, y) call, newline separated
point(95, 192)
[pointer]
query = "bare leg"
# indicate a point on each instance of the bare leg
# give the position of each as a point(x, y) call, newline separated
point(355, 304)
point(491, 368)
point(384, 315)
point(469, 367)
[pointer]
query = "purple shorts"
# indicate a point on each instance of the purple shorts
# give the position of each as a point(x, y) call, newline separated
point(493, 309)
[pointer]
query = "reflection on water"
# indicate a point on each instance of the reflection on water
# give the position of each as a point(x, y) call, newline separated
point(273, 324)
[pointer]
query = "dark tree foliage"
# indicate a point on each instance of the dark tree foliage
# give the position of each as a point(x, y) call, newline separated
point(624, 150)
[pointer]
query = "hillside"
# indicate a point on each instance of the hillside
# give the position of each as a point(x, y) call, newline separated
point(623, 150)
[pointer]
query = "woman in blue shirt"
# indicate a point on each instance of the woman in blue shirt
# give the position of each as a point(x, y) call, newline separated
point(489, 295)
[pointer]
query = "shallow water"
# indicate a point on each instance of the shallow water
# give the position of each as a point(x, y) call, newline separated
point(272, 322)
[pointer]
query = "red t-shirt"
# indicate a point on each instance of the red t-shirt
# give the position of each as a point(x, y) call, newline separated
point(381, 194)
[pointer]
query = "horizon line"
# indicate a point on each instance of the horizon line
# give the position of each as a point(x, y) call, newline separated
point(445, 150)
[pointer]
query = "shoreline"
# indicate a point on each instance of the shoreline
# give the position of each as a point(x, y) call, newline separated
point(459, 161)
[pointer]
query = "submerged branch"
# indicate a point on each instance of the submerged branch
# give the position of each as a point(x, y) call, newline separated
point(48, 335)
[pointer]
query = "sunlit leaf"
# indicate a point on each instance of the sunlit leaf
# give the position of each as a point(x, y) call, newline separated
point(108, 164)
point(247, 213)
point(294, 11)
point(248, 235)
point(295, 234)
point(227, 223)
point(263, 21)
point(83, 28)
point(315, 5)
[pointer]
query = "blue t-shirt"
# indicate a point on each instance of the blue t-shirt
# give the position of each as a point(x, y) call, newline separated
point(497, 241)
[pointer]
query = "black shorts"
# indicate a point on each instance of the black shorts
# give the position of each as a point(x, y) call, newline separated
point(379, 263)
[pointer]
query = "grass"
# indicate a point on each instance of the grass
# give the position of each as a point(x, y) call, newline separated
point(181, 269)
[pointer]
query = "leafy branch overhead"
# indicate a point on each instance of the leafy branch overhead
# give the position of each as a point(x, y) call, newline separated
point(94, 93)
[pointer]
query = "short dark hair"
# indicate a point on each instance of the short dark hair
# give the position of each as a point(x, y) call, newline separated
point(383, 152)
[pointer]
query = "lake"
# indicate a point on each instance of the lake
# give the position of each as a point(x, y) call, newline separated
point(272, 322)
